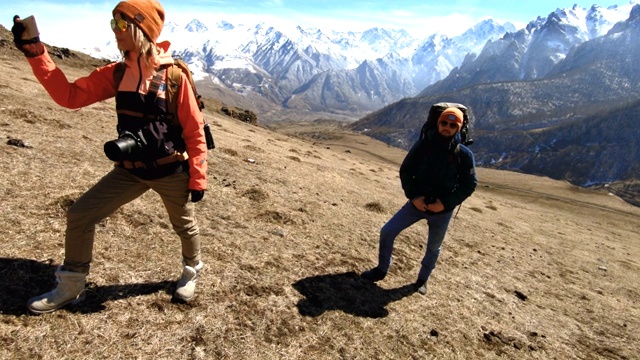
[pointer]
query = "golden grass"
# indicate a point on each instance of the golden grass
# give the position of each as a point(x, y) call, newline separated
point(531, 268)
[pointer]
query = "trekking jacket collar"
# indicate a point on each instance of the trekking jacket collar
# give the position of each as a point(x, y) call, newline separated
point(441, 143)
point(165, 55)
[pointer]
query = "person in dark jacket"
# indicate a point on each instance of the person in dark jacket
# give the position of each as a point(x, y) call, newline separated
point(437, 175)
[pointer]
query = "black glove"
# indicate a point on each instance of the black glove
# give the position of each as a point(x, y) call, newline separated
point(30, 47)
point(197, 195)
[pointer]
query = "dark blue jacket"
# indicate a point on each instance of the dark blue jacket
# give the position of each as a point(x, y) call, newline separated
point(439, 168)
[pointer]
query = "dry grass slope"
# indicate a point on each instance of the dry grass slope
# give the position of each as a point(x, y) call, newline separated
point(531, 268)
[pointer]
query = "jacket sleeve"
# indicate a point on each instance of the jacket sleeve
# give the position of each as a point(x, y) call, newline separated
point(192, 123)
point(98, 86)
point(408, 172)
point(467, 180)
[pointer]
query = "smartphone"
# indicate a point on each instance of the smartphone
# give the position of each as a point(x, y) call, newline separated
point(30, 28)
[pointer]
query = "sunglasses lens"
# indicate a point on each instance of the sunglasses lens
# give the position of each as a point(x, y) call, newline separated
point(452, 125)
point(119, 24)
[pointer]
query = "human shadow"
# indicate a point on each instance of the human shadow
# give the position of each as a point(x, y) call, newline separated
point(21, 279)
point(347, 292)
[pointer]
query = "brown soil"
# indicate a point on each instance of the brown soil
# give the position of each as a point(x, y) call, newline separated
point(531, 269)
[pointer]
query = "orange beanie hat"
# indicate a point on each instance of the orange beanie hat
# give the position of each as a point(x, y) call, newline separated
point(452, 114)
point(148, 15)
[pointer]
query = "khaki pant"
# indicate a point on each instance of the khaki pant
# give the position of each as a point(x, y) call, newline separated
point(115, 189)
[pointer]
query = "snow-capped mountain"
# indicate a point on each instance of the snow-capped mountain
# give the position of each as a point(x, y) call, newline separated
point(532, 52)
point(577, 121)
point(351, 73)
point(277, 62)
point(196, 26)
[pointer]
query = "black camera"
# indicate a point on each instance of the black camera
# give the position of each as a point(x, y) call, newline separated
point(126, 147)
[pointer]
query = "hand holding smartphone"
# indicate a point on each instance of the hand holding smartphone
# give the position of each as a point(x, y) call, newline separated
point(30, 28)
point(26, 36)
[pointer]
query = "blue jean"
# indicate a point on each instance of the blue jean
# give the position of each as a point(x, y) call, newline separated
point(405, 217)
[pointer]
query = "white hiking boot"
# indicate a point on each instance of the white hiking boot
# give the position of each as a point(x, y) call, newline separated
point(70, 289)
point(186, 288)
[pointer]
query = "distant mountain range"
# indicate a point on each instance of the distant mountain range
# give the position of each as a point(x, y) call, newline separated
point(270, 68)
point(317, 71)
point(547, 100)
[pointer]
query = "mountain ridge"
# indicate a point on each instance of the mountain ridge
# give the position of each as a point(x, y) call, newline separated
point(273, 62)
point(585, 104)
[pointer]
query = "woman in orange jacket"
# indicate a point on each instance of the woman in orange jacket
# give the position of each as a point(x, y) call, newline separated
point(151, 151)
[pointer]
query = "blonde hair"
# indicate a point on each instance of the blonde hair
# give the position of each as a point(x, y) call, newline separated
point(147, 49)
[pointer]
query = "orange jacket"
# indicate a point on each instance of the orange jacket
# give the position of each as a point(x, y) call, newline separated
point(100, 85)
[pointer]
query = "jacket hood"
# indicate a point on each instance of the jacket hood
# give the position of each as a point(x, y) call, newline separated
point(165, 54)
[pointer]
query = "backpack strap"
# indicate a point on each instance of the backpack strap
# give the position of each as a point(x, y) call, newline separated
point(173, 87)
point(174, 80)
point(458, 159)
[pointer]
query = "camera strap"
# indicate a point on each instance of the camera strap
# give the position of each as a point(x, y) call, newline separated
point(154, 87)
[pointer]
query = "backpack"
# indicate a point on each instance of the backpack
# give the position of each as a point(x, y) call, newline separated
point(434, 115)
point(465, 138)
point(173, 86)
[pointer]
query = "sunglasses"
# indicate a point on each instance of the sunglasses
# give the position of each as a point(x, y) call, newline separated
point(452, 125)
point(119, 24)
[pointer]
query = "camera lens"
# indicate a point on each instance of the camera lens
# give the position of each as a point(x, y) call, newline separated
point(120, 149)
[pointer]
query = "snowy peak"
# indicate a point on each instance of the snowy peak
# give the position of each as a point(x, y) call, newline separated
point(224, 25)
point(474, 39)
point(593, 22)
point(633, 20)
point(196, 26)
point(533, 52)
point(485, 29)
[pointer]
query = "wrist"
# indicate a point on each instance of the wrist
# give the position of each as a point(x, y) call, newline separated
point(32, 50)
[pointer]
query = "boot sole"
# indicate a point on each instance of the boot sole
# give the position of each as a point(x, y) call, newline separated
point(48, 311)
point(183, 300)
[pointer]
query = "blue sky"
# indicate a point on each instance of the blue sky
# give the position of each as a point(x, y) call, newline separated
point(90, 18)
